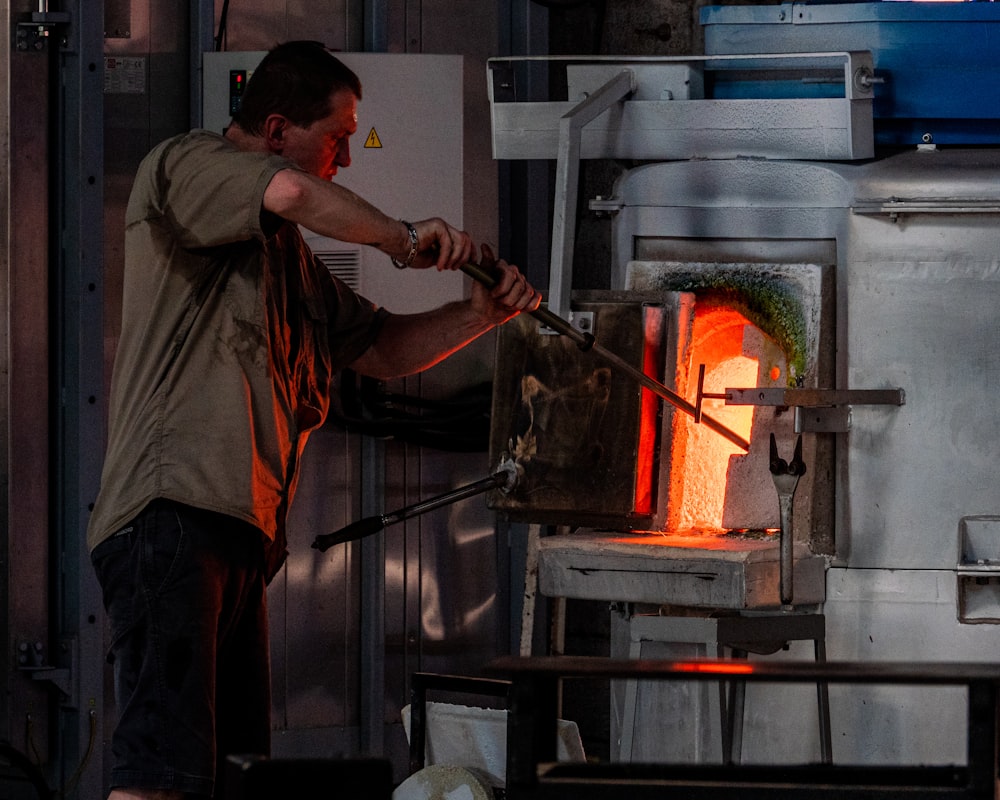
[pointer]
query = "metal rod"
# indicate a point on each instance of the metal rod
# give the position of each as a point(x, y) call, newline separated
point(369, 525)
point(786, 548)
point(469, 490)
point(674, 399)
point(587, 342)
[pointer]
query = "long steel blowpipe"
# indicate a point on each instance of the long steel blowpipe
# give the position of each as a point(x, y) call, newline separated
point(504, 479)
point(586, 341)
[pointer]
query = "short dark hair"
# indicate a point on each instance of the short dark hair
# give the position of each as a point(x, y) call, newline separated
point(295, 79)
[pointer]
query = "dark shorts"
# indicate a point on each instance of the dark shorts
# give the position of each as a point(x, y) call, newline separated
point(184, 590)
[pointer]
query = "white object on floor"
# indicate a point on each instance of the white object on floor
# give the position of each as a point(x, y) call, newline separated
point(444, 782)
point(476, 738)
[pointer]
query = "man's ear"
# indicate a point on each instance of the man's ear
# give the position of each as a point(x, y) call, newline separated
point(275, 127)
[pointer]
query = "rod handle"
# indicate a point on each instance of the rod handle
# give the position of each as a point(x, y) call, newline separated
point(550, 319)
point(356, 530)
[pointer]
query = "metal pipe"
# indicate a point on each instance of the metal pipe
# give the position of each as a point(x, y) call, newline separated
point(503, 479)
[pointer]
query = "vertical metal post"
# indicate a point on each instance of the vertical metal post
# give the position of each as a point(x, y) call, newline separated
point(372, 666)
point(77, 255)
point(530, 590)
point(5, 382)
point(413, 27)
point(525, 189)
point(523, 237)
point(531, 729)
point(202, 16)
point(354, 24)
point(376, 26)
point(982, 736)
point(28, 546)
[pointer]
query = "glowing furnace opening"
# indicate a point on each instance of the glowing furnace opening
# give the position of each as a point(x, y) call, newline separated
point(705, 485)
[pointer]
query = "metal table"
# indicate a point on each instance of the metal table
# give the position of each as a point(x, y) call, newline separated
point(743, 633)
point(531, 738)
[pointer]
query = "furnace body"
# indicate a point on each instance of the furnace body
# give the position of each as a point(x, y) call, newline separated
point(869, 197)
point(912, 574)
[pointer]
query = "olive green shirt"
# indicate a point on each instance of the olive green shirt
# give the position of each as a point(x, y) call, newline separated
point(231, 333)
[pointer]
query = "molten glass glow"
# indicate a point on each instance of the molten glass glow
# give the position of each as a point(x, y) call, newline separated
point(700, 461)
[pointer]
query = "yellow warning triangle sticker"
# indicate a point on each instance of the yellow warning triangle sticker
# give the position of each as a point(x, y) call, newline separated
point(373, 140)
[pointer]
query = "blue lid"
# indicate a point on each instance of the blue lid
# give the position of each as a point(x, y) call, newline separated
point(937, 60)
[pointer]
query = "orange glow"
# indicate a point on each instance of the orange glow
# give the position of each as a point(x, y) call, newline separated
point(700, 459)
point(648, 415)
point(707, 541)
point(727, 668)
point(775, 373)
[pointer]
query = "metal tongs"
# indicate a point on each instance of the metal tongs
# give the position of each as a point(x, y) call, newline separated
point(786, 476)
point(504, 479)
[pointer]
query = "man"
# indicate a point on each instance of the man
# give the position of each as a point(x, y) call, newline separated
point(231, 333)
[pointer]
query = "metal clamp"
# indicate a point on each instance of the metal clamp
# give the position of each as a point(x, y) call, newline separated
point(786, 476)
point(32, 661)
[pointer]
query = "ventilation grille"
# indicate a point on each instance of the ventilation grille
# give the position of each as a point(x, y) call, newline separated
point(343, 264)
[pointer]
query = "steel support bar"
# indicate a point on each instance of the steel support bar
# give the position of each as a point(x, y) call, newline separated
point(668, 117)
point(533, 775)
point(813, 398)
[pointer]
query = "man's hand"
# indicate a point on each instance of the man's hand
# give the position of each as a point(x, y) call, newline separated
point(511, 295)
point(441, 245)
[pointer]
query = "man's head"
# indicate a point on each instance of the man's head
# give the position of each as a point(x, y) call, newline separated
point(296, 80)
point(302, 102)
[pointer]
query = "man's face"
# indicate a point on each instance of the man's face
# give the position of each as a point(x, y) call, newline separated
point(321, 148)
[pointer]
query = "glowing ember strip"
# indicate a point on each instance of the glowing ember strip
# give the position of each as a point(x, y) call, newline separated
point(648, 414)
point(734, 668)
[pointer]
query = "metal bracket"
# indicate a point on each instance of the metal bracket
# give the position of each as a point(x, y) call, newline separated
point(32, 662)
point(581, 320)
point(613, 92)
point(605, 206)
point(816, 410)
point(34, 35)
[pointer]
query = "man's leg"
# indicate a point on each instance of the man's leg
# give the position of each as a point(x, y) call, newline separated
point(172, 586)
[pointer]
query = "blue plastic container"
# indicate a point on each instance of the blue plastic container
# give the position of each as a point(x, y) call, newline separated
point(938, 62)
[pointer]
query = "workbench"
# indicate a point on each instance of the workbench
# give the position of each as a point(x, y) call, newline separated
point(533, 774)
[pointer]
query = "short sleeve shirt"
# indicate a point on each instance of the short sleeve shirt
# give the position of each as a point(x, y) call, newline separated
point(231, 333)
